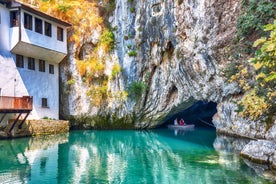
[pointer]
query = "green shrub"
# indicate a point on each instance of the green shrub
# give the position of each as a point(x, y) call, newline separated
point(71, 81)
point(107, 40)
point(231, 69)
point(254, 15)
point(136, 89)
point(132, 9)
point(132, 53)
point(116, 69)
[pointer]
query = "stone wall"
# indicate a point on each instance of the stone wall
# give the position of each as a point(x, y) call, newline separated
point(36, 127)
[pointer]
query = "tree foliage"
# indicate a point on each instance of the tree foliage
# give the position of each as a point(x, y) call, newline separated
point(260, 101)
point(255, 14)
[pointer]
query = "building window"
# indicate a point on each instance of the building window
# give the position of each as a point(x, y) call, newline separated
point(47, 29)
point(59, 34)
point(14, 18)
point(41, 65)
point(19, 61)
point(51, 69)
point(38, 25)
point(28, 21)
point(44, 103)
point(31, 63)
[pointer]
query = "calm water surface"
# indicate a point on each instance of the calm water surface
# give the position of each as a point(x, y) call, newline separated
point(159, 156)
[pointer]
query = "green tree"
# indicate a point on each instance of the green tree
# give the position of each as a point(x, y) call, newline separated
point(261, 99)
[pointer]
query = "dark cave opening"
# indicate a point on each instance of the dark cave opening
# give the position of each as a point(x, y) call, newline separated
point(200, 114)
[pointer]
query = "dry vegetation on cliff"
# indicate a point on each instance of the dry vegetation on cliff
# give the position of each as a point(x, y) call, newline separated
point(86, 17)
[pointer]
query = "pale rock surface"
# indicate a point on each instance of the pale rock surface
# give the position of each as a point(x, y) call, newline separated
point(180, 49)
point(261, 151)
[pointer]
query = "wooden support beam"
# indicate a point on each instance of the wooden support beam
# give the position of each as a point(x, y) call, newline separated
point(15, 121)
point(20, 125)
point(3, 118)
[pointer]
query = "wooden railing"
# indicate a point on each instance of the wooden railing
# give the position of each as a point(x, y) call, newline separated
point(16, 103)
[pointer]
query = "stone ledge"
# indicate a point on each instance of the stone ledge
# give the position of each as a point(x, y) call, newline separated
point(262, 152)
point(36, 127)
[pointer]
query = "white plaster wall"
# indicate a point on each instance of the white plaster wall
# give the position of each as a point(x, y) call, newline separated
point(22, 81)
point(14, 37)
point(42, 40)
point(4, 28)
point(42, 85)
point(11, 83)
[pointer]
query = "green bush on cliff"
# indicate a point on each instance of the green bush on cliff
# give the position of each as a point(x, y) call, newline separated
point(254, 15)
point(136, 89)
point(107, 40)
point(132, 53)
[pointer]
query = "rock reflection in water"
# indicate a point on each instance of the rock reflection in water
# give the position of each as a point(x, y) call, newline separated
point(226, 146)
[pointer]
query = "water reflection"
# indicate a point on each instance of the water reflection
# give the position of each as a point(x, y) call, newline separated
point(27, 159)
point(227, 145)
point(157, 156)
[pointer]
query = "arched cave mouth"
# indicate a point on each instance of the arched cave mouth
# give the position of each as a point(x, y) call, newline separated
point(200, 114)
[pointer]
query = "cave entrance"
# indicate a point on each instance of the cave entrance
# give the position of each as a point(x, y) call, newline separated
point(200, 114)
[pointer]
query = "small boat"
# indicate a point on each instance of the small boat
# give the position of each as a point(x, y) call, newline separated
point(181, 127)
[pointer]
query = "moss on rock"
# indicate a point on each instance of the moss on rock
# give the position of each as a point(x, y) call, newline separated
point(101, 122)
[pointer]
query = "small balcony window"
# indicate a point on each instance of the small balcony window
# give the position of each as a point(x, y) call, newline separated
point(31, 63)
point(41, 65)
point(28, 21)
point(14, 18)
point(44, 103)
point(51, 69)
point(19, 61)
point(38, 25)
point(59, 34)
point(48, 29)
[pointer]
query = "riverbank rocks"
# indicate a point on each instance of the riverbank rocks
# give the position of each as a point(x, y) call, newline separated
point(271, 133)
point(228, 121)
point(261, 151)
point(3, 135)
point(37, 127)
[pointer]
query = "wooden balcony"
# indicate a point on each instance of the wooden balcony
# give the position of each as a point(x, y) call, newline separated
point(16, 104)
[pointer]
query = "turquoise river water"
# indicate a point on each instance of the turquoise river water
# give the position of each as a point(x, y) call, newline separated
point(155, 157)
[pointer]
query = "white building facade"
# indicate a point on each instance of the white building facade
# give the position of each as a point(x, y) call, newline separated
point(32, 44)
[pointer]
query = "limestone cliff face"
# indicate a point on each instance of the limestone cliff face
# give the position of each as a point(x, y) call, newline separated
point(227, 121)
point(180, 47)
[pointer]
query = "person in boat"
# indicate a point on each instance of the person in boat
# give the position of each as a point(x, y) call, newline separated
point(175, 122)
point(182, 122)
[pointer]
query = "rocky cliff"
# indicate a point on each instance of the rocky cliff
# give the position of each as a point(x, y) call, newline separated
point(177, 49)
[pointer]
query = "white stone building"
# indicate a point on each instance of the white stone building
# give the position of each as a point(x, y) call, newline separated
point(32, 44)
